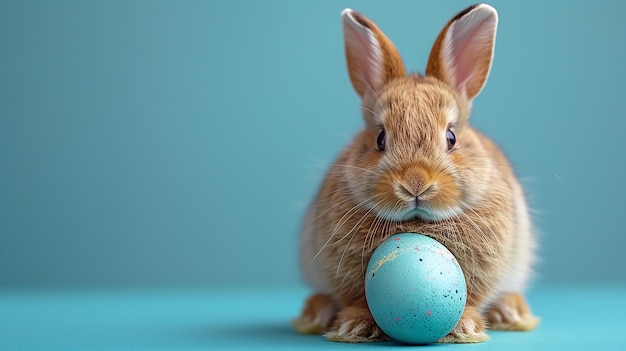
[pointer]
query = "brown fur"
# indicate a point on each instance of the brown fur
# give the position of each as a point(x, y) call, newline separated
point(318, 314)
point(511, 312)
point(469, 200)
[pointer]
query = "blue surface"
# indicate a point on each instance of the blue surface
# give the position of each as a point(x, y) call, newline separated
point(574, 317)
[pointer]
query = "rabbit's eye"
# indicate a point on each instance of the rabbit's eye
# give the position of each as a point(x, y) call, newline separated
point(451, 139)
point(381, 140)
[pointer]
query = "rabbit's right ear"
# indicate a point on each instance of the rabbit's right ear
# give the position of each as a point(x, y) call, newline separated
point(463, 52)
point(372, 58)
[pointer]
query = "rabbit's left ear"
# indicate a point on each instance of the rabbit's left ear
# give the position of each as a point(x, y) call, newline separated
point(372, 58)
point(463, 51)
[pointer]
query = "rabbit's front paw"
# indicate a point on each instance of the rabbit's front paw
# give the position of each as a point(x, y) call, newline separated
point(317, 316)
point(511, 312)
point(356, 324)
point(470, 329)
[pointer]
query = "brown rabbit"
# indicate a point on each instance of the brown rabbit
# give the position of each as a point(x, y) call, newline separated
point(418, 166)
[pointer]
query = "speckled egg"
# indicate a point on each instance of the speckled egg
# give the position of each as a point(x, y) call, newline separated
point(415, 288)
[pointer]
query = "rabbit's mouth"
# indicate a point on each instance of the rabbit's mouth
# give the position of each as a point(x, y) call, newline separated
point(422, 212)
point(418, 210)
point(415, 204)
point(409, 197)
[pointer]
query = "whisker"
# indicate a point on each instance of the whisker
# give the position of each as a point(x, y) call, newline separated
point(354, 231)
point(339, 203)
point(359, 168)
point(336, 230)
point(340, 224)
point(377, 227)
point(495, 237)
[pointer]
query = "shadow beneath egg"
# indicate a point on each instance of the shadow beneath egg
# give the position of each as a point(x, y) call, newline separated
point(270, 336)
point(250, 336)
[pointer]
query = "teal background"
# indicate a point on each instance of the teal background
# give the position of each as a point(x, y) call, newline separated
point(163, 143)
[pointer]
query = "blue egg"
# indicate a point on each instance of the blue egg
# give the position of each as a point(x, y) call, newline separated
point(415, 288)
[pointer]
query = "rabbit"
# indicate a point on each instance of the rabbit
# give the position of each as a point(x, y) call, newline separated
point(419, 166)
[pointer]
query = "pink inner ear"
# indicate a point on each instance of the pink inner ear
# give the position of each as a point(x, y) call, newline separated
point(364, 55)
point(367, 56)
point(463, 57)
point(469, 50)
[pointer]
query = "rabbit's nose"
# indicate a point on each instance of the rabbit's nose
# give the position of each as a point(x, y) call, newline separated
point(405, 192)
point(413, 184)
point(416, 180)
point(409, 190)
point(415, 192)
